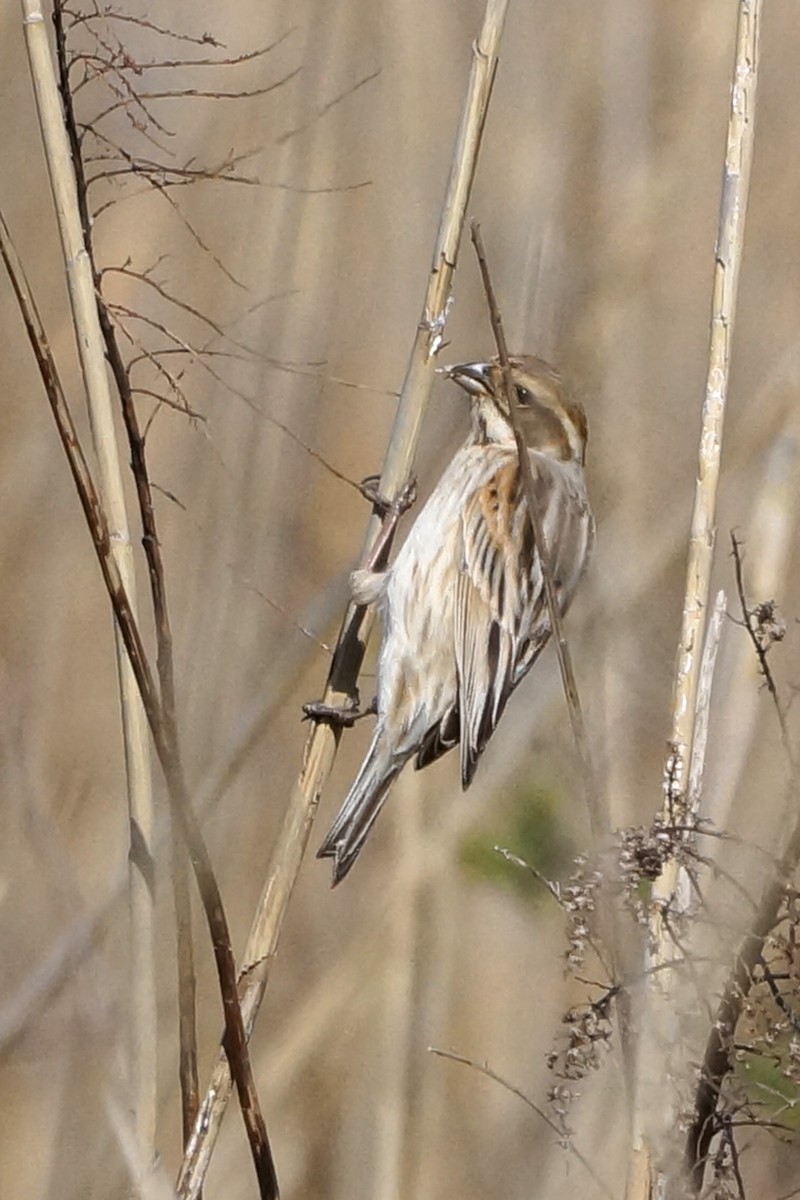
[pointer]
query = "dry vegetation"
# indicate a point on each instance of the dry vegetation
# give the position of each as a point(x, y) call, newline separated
point(300, 278)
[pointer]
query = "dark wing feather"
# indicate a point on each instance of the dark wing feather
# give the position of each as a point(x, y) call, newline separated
point(440, 738)
point(501, 622)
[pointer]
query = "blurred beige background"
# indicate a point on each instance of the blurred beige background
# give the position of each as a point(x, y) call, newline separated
point(597, 191)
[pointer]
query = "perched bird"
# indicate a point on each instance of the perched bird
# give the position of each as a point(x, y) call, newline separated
point(463, 605)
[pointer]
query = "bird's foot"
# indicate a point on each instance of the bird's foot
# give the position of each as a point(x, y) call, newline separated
point(385, 507)
point(343, 716)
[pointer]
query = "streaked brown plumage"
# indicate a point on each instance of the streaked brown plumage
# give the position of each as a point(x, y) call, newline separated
point(463, 603)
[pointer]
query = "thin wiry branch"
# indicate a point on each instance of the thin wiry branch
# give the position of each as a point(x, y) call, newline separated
point(167, 176)
point(133, 102)
point(222, 333)
point(184, 305)
point(598, 817)
point(189, 93)
point(324, 109)
point(199, 356)
point(485, 1069)
point(195, 234)
point(119, 86)
point(108, 13)
point(161, 398)
point(137, 66)
point(764, 629)
point(154, 357)
point(718, 1057)
point(563, 899)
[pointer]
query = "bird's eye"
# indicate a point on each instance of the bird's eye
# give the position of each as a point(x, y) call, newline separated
point(524, 397)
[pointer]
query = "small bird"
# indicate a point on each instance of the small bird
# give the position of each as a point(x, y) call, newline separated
point(463, 605)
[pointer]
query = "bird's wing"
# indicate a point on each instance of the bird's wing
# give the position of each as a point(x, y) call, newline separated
point(492, 595)
point(501, 621)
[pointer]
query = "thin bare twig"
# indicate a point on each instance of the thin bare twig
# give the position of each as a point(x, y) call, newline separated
point(598, 817)
point(762, 634)
point(108, 13)
point(485, 1069)
point(196, 93)
point(324, 109)
point(58, 965)
point(128, 63)
point(564, 904)
point(593, 795)
point(200, 355)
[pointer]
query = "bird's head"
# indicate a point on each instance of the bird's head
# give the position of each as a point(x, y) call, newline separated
point(551, 421)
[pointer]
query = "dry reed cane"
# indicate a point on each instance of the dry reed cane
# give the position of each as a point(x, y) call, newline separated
point(321, 747)
point(644, 1174)
point(143, 1029)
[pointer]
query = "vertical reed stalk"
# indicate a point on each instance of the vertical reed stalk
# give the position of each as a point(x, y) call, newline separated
point(323, 742)
point(646, 1177)
point(83, 301)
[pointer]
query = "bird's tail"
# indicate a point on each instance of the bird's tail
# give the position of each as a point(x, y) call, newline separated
point(361, 807)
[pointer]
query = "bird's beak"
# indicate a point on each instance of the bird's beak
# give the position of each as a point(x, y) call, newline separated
point(474, 378)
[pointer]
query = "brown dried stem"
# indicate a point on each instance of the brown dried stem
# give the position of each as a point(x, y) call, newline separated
point(187, 1032)
point(160, 714)
point(597, 816)
point(718, 1057)
point(593, 795)
point(761, 648)
point(234, 1041)
point(323, 742)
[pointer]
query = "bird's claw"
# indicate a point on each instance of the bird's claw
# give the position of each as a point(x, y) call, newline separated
point(344, 716)
point(385, 507)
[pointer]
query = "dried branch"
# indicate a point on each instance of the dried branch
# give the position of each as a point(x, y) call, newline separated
point(485, 1069)
point(764, 629)
point(323, 743)
point(142, 1048)
point(718, 1058)
point(643, 1172)
point(191, 93)
point(324, 109)
point(598, 817)
point(235, 1042)
point(107, 13)
point(160, 712)
point(772, 528)
point(187, 1033)
point(200, 355)
point(58, 964)
point(593, 795)
point(706, 679)
point(128, 63)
